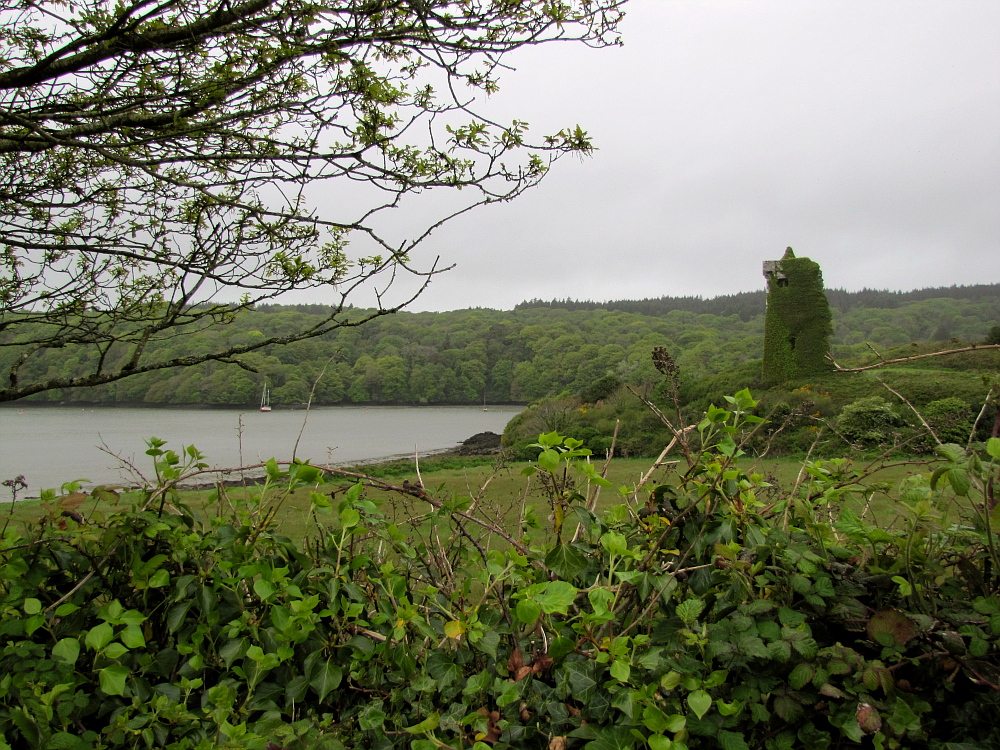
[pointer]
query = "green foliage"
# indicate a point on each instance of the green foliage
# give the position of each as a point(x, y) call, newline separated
point(525, 355)
point(715, 611)
point(950, 418)
point(798, 323)
point(869, 422)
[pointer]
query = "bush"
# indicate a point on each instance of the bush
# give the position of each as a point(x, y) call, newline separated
point(869, 422)
point(951, 420)
point(711, 612)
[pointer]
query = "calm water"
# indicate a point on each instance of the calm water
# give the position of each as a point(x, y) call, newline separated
point(53, 445)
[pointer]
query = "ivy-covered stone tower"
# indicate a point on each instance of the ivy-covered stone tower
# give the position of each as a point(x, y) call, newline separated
point(798, 323)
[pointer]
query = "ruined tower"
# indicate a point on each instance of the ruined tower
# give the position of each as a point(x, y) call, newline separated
point(798, 324)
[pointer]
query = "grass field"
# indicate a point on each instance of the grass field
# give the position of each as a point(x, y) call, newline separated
point(506, 491)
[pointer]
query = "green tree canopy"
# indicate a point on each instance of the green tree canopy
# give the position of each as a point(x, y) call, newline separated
point(154, 158)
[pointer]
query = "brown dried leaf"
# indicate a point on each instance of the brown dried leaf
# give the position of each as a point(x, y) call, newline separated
point(516, 660)
point(541, 664)
point(521, 673)
point(558, 743)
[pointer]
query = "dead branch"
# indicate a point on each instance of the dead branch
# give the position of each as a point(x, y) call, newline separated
point(884, 362)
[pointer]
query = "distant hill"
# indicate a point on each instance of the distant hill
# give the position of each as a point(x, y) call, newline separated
point(748, 305)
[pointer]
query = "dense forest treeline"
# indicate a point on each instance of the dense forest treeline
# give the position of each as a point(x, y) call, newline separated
point(751, 304)
point(480, 355)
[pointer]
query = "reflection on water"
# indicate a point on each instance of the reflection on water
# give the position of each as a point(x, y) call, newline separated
point(52, 445)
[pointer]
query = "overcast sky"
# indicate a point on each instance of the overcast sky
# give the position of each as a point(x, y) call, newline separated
point(866, 135)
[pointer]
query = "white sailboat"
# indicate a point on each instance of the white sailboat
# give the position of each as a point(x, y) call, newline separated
point(265, 399)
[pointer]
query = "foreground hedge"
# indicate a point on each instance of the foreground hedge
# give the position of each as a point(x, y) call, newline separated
point(714, 611)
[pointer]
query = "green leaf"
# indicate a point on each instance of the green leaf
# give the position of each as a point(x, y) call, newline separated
point(132, 636)
point(950, 451)
point(557, 597)
point(699, 701)
point(612, 738)
point(177, 615)
point(99, 637)
point(264, 589)
point(993, 447)
point(371, 718)
point(958, 477)
point(527, 611)
point(549, 460)
point(659, 742)
point(656, 721)
point(615, 543)
point(732, 741)
point(233, 650)
point(427, 725)
point(349, 518)
point(620, 670)
point(690, 610)
point(327, 678)
point(32, 606)
point(801, 676)
point(903, 719)
point(114, 650)
point(159, 578)
point(67, 649)
point(566, 561)
point(549, 440)
point(66, 741)
point(112, 679)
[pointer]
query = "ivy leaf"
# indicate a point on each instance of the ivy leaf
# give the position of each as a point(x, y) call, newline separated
point(527, 611)
point(566, 561)
point(615, 543)
point(699, 702)
point(581, 680)
point(557, 597)
point(114, 650)
point(371, 718)
point(67, 649)
point(427, 725)
point(657, 721)
point(113, 678)
point(612, 738)
point(99, 637)
point(620, 671)
point(132, 636)
point(327, 677)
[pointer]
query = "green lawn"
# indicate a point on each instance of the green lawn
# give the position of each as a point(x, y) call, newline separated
point(500, 492)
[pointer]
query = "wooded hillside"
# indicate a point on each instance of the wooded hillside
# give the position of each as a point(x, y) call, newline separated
point(472, 356)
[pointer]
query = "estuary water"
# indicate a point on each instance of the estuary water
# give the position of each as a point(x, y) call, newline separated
point(52, 445)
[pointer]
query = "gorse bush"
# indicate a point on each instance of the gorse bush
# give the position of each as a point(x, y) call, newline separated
point(715, 610)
